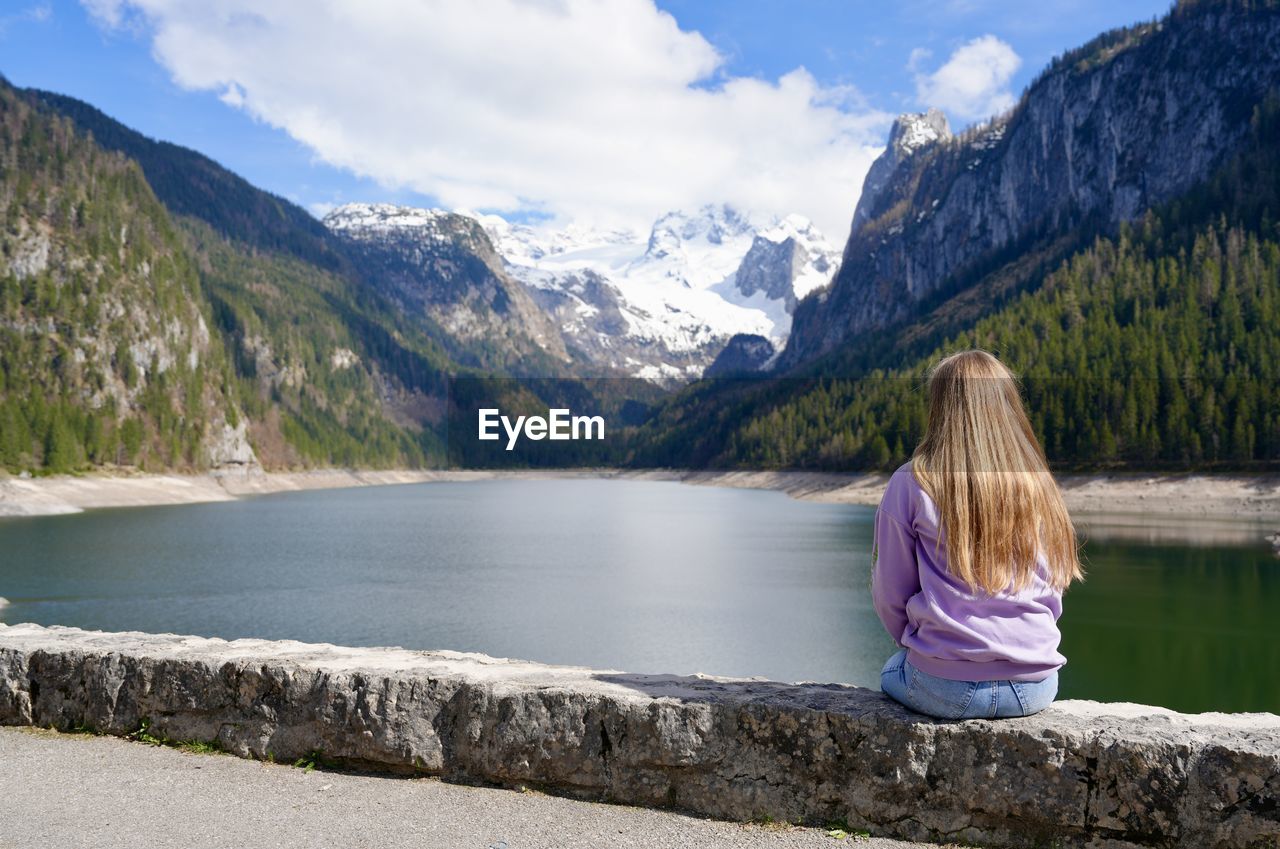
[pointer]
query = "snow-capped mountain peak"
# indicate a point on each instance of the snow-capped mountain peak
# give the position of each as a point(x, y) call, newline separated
point(793, 226)
point(700, 249)
point(912, 131)
point(661, 307)
point(669, 303)
point(713, 224)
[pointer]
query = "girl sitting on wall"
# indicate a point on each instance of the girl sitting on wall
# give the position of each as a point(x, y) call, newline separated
point(973, 549)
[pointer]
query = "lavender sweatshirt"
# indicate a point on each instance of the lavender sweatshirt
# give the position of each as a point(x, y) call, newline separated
point(947, 630)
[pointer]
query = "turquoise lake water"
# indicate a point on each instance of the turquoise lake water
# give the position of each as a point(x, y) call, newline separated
point(634, 575)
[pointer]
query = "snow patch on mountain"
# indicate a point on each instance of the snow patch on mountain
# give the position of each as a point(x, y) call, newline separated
point(381, 217)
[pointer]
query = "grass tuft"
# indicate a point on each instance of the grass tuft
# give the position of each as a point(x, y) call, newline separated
point(200, 747)
point(144, 735)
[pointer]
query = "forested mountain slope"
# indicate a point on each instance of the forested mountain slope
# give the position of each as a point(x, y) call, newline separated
point(191, 184)
point(326, 373)
point(106, 349)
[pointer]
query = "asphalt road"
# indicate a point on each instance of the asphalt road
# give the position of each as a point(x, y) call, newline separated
point(66, 791)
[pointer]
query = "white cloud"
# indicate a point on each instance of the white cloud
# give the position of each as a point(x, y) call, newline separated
point(580, 108)
point(916, 59)
point(974, 81)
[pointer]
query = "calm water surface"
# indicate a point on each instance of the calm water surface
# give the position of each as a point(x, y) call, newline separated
point(633, 575)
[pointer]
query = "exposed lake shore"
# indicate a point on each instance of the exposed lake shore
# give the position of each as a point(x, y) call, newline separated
point(1223, 496)
point(1255, 499)
point(1203, 509)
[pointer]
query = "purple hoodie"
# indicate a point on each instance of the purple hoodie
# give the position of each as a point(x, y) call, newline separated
point(948, 630)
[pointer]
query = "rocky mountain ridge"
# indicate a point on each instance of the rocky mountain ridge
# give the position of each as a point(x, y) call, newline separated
point(910, 133)
point(786, 262)
point(659, 308)
point(443, 267)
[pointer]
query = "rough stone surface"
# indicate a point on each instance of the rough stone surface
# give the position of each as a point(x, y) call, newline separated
point(1080, 774)
point(231, 448)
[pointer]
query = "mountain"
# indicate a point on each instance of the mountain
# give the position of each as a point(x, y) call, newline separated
point(241, 331)
point(1113, 238)
point(326, 372)
point(107, 351)
point(1129, 121)
point(663, 307)
point(443, 268)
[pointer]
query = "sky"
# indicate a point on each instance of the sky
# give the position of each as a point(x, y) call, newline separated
point(604, 112)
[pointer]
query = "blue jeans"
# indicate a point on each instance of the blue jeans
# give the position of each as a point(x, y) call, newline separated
point(946, 699)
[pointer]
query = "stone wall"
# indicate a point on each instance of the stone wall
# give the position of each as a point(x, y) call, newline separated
point(1080, 774)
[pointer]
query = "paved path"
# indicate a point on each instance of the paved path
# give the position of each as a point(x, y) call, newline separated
point(66, 791)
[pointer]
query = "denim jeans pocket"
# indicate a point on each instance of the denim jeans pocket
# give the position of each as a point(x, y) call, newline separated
point(939, 697)
point(1035, 696)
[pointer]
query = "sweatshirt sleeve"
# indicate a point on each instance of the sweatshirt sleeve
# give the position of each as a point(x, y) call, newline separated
point(895, 577)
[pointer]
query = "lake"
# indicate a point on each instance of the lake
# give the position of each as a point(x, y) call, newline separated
point(635, 575)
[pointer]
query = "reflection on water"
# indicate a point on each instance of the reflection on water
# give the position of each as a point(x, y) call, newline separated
point(636, 575)
point(1187, 626)
point(1185, 530)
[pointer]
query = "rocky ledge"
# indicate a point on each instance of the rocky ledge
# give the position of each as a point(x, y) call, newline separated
point(1080, 774)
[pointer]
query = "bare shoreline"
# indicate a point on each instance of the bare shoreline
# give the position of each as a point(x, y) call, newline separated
point(1096, 500)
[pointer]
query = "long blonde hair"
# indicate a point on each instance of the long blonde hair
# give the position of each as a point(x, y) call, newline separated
point(981, 463)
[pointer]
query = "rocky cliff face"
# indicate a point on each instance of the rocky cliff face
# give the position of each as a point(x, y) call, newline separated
point(593, 318)
point(786, 262)
point(770, 267)
point(443, 267)
point(1133, 119)
point(910, 133)
point(745, 354)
